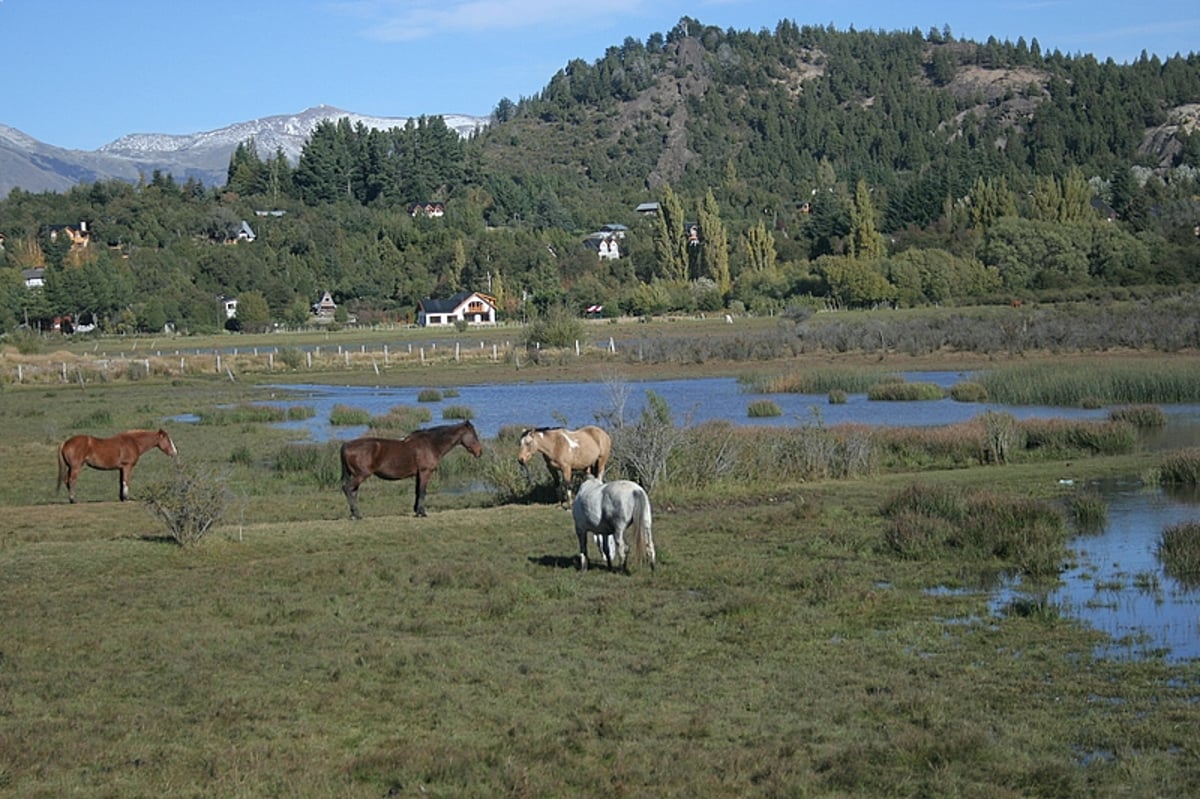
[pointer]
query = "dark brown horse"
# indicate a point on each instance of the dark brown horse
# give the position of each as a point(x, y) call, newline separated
point(417, 454)
point(586, 449)
point(118, 452)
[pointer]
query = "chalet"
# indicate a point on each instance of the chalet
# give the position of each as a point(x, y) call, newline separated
point(245, 232)
point(78, 234)
point(647, 209)
point(326, 308)
point(433, 210)
point(467, 306)
point(617, 230)
point(34, 278)
point(604, 244)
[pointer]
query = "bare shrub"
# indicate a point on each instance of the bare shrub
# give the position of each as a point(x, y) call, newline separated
point(189, 504)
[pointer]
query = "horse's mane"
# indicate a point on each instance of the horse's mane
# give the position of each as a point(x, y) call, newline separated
point(441, 428)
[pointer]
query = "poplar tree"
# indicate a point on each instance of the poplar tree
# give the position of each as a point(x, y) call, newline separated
point(670, 239)
point(714, 244)
point(866, 241)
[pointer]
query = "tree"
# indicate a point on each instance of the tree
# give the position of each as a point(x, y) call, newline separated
point(865, 239)
point(253, 314)
point(670, 239)
point(714, 243)
point(758, 250)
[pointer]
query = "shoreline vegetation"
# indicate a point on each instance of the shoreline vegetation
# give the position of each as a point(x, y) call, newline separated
point(818, 625)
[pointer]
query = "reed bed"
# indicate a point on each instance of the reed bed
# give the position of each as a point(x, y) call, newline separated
point(903, 391)
point(402, 418)
point(968, 391)
point(1181, 467)
point(931, 520)
point(429, 395)
point(1179, 552)
point(348, 416)
point(1055, 437)
point(1109, 381)
point(1142, 416)
point(458, 412)
point(763, 408)
point(1087, 510)
point(818, 380)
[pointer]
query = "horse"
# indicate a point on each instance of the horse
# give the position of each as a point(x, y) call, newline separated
point(609, 510)
point(117, 452)
point(417, 454)
point(587, 448)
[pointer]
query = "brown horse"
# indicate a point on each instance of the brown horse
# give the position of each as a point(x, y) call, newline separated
point(118, 452)
point(586, 449)
point(417, 454)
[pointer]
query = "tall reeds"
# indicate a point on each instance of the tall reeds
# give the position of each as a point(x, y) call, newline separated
point(1071, 384)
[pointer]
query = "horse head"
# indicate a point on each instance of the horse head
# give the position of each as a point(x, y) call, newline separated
point(529, 445)
point(470, 439)
point(165, 443)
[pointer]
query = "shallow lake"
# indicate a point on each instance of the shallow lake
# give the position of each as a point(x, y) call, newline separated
point(1114, 584)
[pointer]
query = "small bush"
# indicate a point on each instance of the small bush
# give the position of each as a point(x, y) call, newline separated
point(837, 397)
point(96, 419)
point(763, 408)
point(429, 395)
point(297, 413)
point(346, 416)
point(291, 357)
point(449, 392)
point(190, 504)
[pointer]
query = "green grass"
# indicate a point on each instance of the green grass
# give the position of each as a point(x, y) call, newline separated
point(1093, 381)
point(763, 408)
point(782, 648)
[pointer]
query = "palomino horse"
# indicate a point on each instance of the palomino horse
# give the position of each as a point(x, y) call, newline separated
point(609, 510)
point(118, 452)
point(417, 454)
point(564, 450)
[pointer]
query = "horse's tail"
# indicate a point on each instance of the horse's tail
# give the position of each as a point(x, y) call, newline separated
point(62, 468)
point(643, 539)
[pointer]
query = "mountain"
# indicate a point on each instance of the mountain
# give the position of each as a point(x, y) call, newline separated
point(35, 166)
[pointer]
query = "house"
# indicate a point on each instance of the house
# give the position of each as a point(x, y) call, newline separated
point(78, 234)
point(469, 306)
point(34, 278)
point(325, 308)
point(433, 210)
point(245, 233)
point(693, 233)
point(604, 244)
point(617, 230)
point(229, 305)
point(647, 209)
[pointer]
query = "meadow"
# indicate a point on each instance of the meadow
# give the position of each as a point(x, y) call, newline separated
point(809, 631)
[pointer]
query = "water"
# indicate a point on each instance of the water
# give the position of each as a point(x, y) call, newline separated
point(1116, 583)
point(691, 400)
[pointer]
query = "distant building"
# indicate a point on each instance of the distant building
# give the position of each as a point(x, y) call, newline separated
point(433, 210)
point(647, 209)
point(325, 308)
point(34, 278)
point(469, 306)
point(229, 306)
point(606, 246)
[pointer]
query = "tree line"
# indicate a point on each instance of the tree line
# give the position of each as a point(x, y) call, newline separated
point(799, 166)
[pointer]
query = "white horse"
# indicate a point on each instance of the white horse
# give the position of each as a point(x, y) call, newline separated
point(608, 510)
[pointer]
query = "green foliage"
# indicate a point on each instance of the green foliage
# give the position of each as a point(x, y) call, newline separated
point(762, 408)
point(243, 413)
point(968, 391)
point(1179, 552)
point(905, 391)
point(1181, 467)
point(558, 327)
point(458, 412)
point(429, 395)
point(403, 418)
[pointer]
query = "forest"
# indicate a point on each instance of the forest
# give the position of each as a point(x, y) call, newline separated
point(800, 167)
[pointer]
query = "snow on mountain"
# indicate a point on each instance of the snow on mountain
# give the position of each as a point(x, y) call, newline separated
point(288, 132)
point(35, 166)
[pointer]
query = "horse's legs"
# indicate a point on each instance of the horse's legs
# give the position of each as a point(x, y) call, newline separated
point(125, 472)
point(72, 476)
point(350, 484)
point(581, 533)
point(566, 487)
point(422, 484)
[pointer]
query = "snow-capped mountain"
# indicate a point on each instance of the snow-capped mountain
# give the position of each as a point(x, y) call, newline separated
point(34, 166)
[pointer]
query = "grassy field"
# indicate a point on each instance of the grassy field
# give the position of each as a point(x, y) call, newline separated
point(781, 648)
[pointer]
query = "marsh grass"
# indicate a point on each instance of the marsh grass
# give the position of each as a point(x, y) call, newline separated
point(782, 647)
point(1143, 417)
point(1100, 381)
point(458, 412)
point(243, 413)
point(429, 395)
point(347, 416)
point(400, 418)
point(968, 391)
point(1179, 552)
point(763, 408)
point(1061, 437)
point(1088, 510)
point(319, 464)
point(817, 380)
point(903, 391)
point(1181, 467)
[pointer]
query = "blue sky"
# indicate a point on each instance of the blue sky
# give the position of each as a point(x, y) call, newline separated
point(81, 73)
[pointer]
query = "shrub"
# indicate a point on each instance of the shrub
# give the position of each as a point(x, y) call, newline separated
point(763, 408)
point(346, 416)
point(319, 462)
point(292, 357)
point(837, 397)
point(429, 395)
point(188, 505)
point(557, 328)
point(401, 417)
